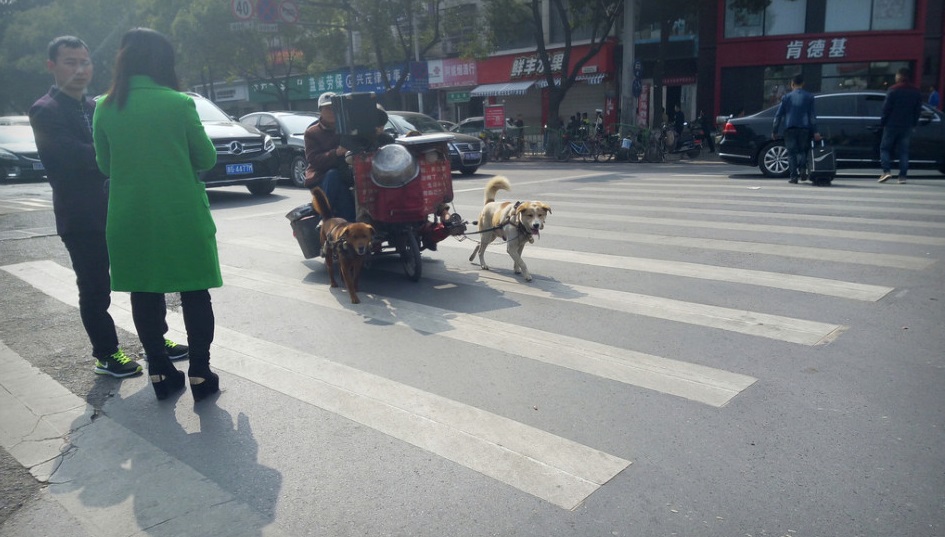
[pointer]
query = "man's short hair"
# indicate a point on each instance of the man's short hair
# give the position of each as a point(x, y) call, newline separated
point(64, 41)
point(798, 80)
point(905, 73)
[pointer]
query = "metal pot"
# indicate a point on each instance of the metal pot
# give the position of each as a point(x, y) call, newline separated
point(393, 166)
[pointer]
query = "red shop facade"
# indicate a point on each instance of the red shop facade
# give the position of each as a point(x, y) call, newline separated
point(517, 81)
point(752, 73)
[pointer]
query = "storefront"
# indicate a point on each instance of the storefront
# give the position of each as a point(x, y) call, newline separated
point(517, 81)
point(450, 83)
point(859, 45)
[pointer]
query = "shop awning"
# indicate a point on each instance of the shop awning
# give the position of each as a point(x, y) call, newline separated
point(591, 80)
point(505, 88)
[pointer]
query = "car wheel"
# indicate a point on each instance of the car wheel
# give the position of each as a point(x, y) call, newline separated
point(297, 171)
point(468, 170)
point(774, 160)
point(261, 188)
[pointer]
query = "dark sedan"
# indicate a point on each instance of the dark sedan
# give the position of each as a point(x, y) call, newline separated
point(287, 130)
point(849, 122)
point(245, 156)
point(465, 150)
point(19, 158)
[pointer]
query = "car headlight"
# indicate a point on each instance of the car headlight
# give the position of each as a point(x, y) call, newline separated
point(6, 155)
point(268, 144)
point(452, 148)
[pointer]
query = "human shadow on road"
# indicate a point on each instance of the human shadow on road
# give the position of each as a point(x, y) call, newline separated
point(187, 469)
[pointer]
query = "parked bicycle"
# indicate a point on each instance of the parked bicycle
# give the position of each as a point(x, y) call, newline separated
point(587, 149)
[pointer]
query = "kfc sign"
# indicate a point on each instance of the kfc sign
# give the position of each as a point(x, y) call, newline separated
point(816, 48)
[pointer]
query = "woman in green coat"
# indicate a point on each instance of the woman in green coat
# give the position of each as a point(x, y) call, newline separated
point(161, 237)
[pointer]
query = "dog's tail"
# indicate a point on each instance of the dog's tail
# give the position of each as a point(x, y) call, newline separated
point(494, 185)
point(320, 203)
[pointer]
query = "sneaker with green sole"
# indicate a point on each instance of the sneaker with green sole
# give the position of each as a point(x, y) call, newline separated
point(175, 351)
point(117, 365)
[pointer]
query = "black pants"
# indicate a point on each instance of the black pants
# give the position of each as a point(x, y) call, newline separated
point(150, 311)
point(89, 255)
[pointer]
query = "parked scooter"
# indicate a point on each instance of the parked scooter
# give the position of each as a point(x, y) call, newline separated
point(685, 143)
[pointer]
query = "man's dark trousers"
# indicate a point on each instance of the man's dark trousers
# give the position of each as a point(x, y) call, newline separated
point(900, 138)
point(89, 254)
point(797, 143)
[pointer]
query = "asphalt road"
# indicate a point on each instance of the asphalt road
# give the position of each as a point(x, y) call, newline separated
point(702, 352)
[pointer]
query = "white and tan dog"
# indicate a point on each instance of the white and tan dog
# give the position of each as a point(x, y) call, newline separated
point(518, 223)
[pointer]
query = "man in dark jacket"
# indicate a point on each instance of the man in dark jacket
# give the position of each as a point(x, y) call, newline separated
point(326, 161)
point(800, 121)
point(900, 115)
point(62, 125)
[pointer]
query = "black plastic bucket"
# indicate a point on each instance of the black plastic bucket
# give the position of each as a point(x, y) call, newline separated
point(304, 221)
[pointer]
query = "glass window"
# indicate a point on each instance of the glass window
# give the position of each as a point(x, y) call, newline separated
point(893, 14)
point(844, 76)
point(778, 82)
point(836, 106)
point(858, 15)
point(785, 17)
point(871, 105)
point(743, 23)
point(847, 16)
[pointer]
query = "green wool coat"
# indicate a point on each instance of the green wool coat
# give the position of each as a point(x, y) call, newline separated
point(161, 236)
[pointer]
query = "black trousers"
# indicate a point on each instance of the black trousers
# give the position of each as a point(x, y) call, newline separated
point(89, 255)
point(150, 311)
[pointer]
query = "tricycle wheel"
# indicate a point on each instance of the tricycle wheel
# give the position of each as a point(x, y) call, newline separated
point(410, 256)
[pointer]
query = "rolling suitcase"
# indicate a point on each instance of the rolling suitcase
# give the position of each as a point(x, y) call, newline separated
point(821, 164)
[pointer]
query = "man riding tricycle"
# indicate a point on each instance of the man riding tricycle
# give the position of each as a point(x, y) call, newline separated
point(402, 188)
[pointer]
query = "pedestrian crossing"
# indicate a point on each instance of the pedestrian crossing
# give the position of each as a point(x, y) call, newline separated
point(26, 204)
point(850, 229)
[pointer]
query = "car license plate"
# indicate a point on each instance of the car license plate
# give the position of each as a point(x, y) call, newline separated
point(239, 169)
point(470, 156)
point(38, 166)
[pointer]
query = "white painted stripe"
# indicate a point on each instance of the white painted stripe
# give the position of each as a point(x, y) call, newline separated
point(756, 228)
point(775, 280)
point(552, 468)
point(780, 250)
point(765, 188)
point(746, 322)
point(644, 201)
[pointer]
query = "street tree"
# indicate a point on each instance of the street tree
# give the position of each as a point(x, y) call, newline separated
point(595, 18)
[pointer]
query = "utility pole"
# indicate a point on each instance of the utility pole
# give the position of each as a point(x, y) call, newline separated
point(416, 53)
point(627, 113)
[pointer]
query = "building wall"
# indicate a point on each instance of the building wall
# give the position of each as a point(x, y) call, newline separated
point(837, 45)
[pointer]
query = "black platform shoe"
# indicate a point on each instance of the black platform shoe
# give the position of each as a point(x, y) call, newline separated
point(203, 384)
point(167, 383)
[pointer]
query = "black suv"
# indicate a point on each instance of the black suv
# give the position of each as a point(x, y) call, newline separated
point(245, 156)
point(849, 122)
point(288, 132)
point(465, 150)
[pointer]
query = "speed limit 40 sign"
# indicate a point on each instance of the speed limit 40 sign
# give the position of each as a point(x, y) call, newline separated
point(242, 9)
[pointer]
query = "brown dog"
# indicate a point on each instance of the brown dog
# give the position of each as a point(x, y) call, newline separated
point(518, 223)
point(348, 242)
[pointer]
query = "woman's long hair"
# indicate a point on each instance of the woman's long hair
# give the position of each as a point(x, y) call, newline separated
point(143, 52)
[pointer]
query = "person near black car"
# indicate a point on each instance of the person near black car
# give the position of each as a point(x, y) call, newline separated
point(705, 123)
point(901, 112)
point(151, 143)
point(62, 125)
point(327, 166)
point(796, 112)
point(326, 161)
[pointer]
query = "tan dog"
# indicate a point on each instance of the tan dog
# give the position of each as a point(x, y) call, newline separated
point(348, 242)
point(517, 223)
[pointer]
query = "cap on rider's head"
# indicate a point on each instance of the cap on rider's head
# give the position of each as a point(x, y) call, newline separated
point(325, 99)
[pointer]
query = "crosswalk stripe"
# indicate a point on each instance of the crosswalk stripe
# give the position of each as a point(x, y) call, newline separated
point(780, 250)
point(558, 470)
point(643, 201)
point(775, 280)
point(746, 322)
point(764, 189)
point(696, 383)
point(731, 226)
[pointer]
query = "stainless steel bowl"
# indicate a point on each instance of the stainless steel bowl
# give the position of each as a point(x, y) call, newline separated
point(393, 166)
